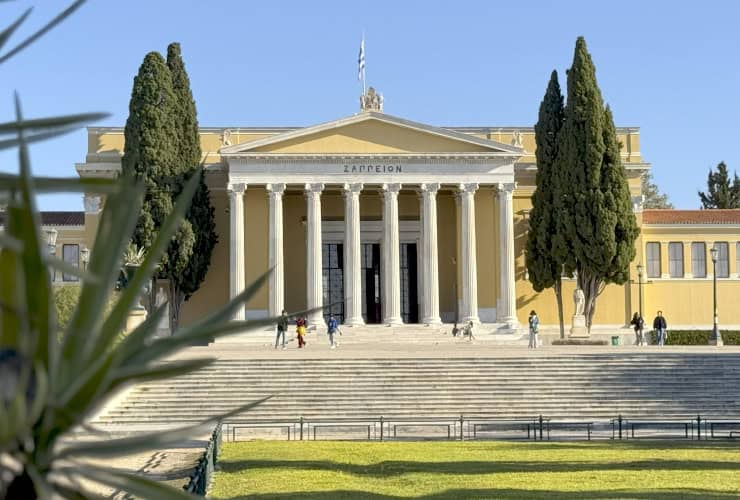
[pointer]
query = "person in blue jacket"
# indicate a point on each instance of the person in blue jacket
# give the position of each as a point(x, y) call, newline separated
point(332, 329)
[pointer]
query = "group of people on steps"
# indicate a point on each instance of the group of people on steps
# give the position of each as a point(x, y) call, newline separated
point(332, 327)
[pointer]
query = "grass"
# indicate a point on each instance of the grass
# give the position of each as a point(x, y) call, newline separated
point(434, 470)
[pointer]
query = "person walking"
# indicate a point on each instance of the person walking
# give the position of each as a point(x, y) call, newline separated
point(638, 324)
point(534, 322)
point(300, 331)
point(282, 327)
point(660, 326)
point(332, 329)
point(468, 331)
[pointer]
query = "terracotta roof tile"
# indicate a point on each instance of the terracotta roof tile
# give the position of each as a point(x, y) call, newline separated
point(710, 216)
point(57, 218)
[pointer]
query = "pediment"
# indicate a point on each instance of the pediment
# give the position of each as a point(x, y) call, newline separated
point(371, 133)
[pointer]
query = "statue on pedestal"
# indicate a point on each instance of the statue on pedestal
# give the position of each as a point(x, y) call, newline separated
point(371, 101)
point(579, 320)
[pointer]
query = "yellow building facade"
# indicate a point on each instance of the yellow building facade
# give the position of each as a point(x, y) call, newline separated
point(393, 221)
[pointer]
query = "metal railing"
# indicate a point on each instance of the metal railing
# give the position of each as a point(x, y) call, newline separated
point(462, 428)
point(203, 472)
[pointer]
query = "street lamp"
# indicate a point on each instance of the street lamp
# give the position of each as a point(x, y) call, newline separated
point(51, 244)
point(716, 337)
point(640, 269)
point(84, 257)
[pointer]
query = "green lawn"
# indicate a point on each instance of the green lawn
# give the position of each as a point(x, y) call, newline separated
point(434, 470)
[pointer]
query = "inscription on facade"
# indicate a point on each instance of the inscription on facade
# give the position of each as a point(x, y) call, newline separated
point(377, 169)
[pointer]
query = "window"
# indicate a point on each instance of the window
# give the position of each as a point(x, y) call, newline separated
point(653, 260)
point(723, 259)
point(699, 259)
point(675, 260)
point(71, 255)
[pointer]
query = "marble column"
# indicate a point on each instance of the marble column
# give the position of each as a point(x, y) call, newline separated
point(391, 258)
point(277, 278)
point(314, 280)
point(236, 244)
point(352, 256)
point(507, 291)
point(429, 255)
point(469, 309)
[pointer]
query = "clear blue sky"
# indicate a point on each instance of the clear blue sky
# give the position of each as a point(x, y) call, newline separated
point(671, 68)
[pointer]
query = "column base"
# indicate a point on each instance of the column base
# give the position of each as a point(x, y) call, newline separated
point(433, 321)
point(315, 323)
point(393, 321)
point(468, 319)
point(354, 322)
point(717, 342)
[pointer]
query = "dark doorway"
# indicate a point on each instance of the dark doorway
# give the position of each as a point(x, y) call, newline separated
point(409, 295)
point(332, 267)
point(371, 283)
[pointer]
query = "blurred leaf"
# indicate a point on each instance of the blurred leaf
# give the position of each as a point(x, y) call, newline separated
point(41, 136)
point(145, 373)
point(138, 486)
point(148, 441)
point(11, 243)
point(55, 122)
point(28, 41)
point(62, 184)
point(68, 268)
point(8, 32)
point(117, 318)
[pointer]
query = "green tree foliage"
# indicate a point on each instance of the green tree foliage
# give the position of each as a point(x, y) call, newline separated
point(545, 262)
point(721, 191)
point(201, 214)
point(598, 226)
point(653, 197)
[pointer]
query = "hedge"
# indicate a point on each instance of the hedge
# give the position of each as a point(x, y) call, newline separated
point(696, 337)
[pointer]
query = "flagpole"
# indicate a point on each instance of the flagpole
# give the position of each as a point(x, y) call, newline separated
point(363, 66)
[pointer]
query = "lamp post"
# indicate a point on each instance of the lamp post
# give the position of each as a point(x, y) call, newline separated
point(716, 337)
point(51, 244)
point(84, 257)
point(640, 269)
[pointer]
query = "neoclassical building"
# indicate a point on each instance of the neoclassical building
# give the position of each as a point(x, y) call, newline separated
point(392, 221)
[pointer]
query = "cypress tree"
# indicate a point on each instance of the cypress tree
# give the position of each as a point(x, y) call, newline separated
point(598, 224)
point(149, 151)
point(544, 261)
point(721, 192)
point(200, 216)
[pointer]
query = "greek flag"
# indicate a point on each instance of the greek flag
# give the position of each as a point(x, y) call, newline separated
point(361, 60)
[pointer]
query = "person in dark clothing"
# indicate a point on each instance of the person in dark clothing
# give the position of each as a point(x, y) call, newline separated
point(638, 324)
point(660, 326)
point(282, 327)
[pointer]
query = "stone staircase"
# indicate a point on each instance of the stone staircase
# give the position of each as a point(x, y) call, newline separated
point(600, 385)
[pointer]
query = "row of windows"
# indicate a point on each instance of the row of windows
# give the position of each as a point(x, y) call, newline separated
point(698, 259)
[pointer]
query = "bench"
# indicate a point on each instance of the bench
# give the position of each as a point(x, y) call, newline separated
point(483, 425)
point(573, 425)
point(731, 425)
point(660, 425)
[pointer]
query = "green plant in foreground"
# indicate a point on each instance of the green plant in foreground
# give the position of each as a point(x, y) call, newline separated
point(49, 386)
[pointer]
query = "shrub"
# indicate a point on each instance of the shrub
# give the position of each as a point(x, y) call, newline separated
point(696, 337)
point(578, 342)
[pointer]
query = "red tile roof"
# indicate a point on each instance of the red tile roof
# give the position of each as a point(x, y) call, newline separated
point(57, 218)
point(710, 216)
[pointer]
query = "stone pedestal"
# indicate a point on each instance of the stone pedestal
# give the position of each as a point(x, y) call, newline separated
point(579, 326)
point(135, 317)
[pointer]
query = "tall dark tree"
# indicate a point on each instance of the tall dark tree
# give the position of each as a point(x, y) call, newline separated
point(722, 192)
point(653, 198)
point(544, 261)
point(599, 225)
point(201, 215)
point(151, 155)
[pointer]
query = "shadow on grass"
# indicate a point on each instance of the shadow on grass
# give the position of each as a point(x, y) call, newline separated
point(397, 468)
point(656, 494)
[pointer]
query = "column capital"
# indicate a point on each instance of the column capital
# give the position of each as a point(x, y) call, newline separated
point(393, 188)
point(429, 187)
point(237, 188)
point(275, 189)
point(353, 188)
point(314, 188)
point(506, 187)
point(468, 187)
